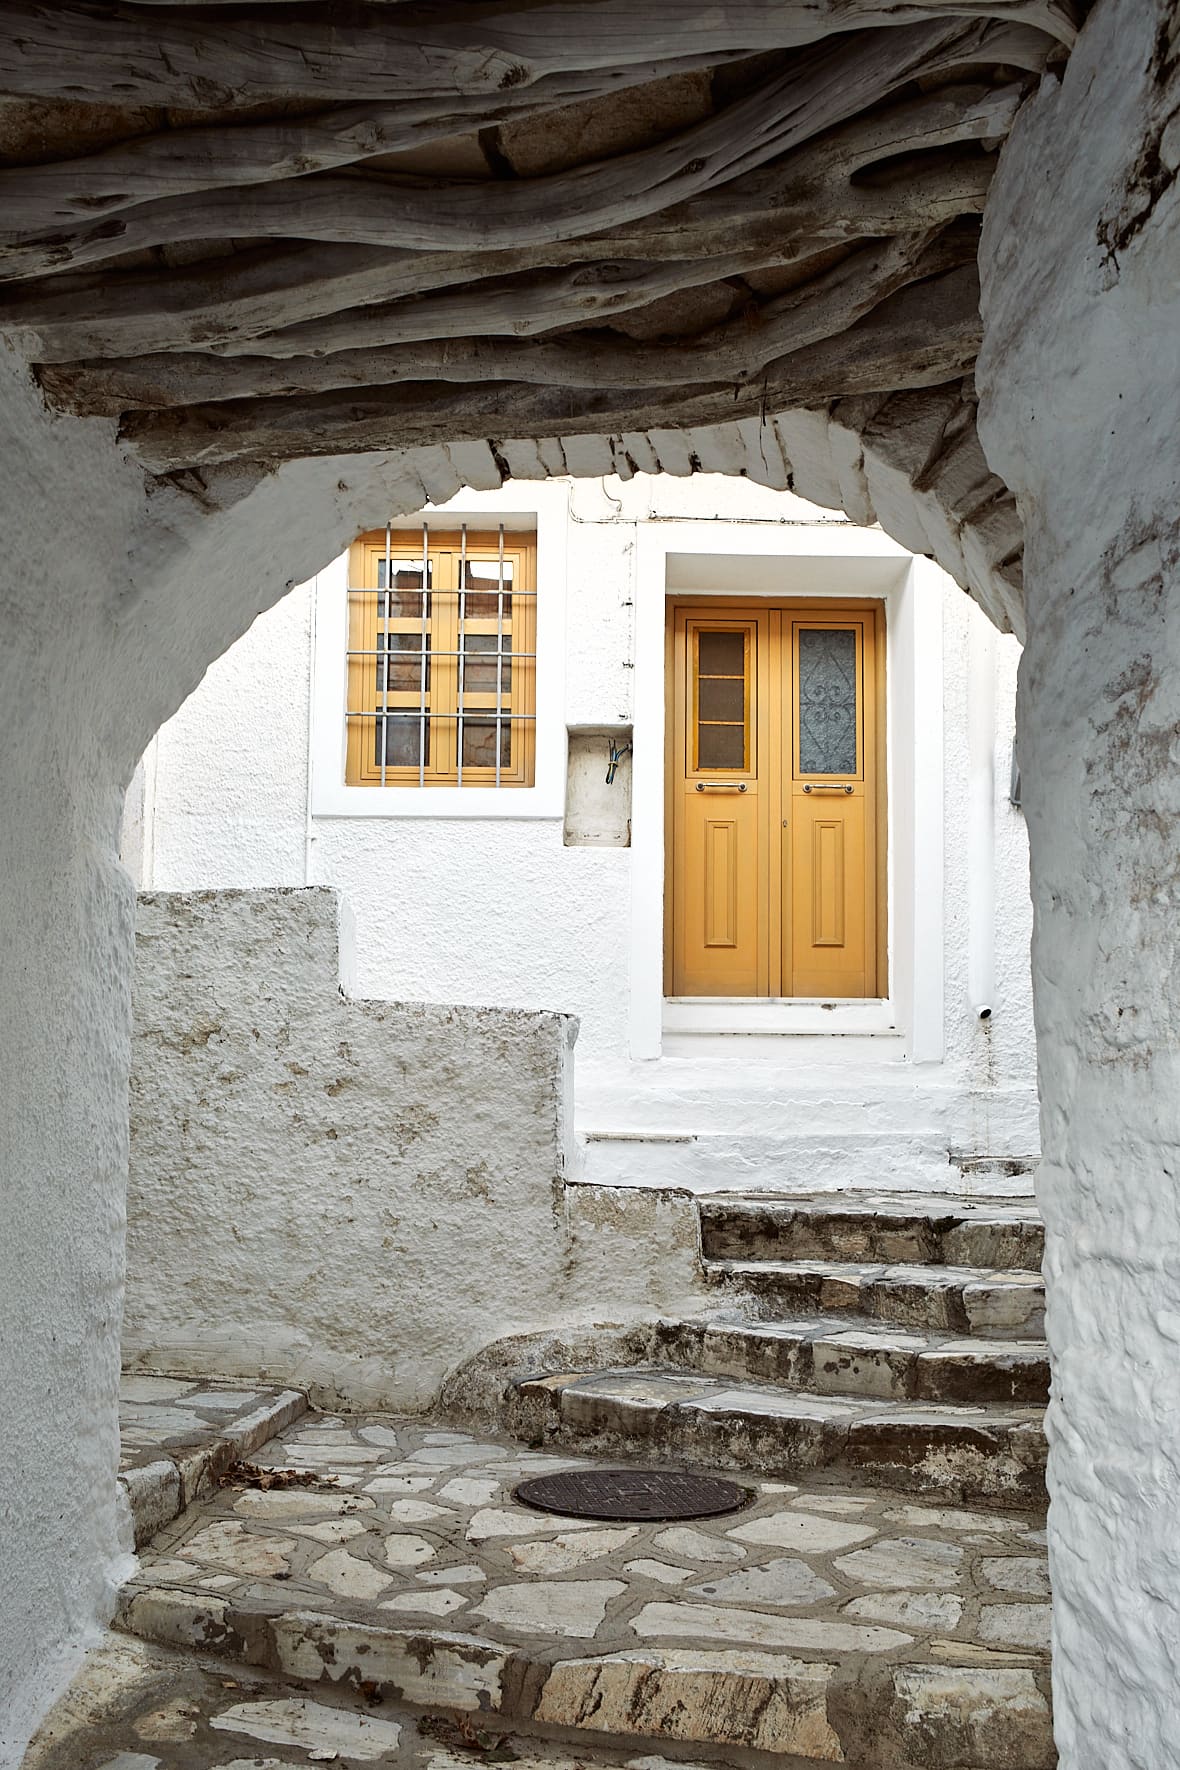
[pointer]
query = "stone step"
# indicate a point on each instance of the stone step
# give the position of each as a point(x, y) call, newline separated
point(968, 1452)
point(179, 1434)
point(880, 1228)
point(832, 1623)
point(999, 1305)
point(849, 1356)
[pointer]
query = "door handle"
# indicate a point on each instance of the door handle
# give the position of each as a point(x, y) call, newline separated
point(721, 786)
point(823, 787)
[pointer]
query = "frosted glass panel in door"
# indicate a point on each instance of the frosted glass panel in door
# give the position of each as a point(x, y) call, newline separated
point(827, 700)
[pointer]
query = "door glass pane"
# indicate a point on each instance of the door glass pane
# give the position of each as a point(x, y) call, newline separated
point(721, 746)
point(827, 700)
point(722, 698)
point(722, 654)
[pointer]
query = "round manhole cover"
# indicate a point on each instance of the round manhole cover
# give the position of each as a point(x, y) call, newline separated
point(655, 1495)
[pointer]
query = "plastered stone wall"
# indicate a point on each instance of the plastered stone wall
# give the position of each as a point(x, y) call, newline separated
point(352, 1196)
point(1080, 378)
point(116, 594)
point(150, 583)
point(113, 600)
point(229, 798)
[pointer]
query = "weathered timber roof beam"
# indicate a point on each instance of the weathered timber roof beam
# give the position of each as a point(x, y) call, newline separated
point(824, 87)
point(922, 337)
point(174, 162)
point(737, 351)
point(161, 55)
point(297, 299)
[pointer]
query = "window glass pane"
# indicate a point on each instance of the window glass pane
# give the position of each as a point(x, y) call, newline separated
point(827, 701)
point(479, 743)
point(479, 674)
point(721, 654)
point(407, 578)
point(481, 581)
point(722, 697)
point(721, 746)
point(407, 739)
point(405, 662)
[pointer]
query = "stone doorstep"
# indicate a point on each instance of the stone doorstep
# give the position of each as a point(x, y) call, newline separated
point(938, 1232)
point(850, 1356)
point(163, 1482)
point(953, 1299)
point(980, 1453)
point(897, 1716)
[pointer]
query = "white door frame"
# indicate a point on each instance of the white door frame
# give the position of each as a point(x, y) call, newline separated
point(815, 561)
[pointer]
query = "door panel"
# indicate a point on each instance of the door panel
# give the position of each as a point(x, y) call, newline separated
point(775, 787)
point(721, 882)
point(828, 882)
point(833, 695)
point(719, 845)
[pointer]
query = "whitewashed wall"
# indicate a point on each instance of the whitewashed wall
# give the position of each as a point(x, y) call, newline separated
point(1080, 412)
point(500, 911)
point(347, 1195)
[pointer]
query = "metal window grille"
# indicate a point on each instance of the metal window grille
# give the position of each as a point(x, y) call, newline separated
point(442, 659)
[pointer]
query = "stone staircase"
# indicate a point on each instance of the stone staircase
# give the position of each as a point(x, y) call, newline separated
point(370, 1591)
point(898, 1336)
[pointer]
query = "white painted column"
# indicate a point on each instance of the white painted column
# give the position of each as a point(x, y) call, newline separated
point(1080, 382)
point(647, 799)
point(981, 819)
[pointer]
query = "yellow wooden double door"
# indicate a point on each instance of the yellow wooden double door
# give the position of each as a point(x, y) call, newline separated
point(776, 800)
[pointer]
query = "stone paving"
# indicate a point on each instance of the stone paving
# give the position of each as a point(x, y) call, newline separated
point(138, 1707)
point(826, 1621)
point(176, 1434)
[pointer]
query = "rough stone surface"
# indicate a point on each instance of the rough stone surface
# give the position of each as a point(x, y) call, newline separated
point(1080, 378)
point(325, 1189)
point(784, 1652)
point(152, 584)
point(1083, 235)
point(176, 1437)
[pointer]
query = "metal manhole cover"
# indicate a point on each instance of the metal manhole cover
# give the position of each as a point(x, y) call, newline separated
point(653, 1495)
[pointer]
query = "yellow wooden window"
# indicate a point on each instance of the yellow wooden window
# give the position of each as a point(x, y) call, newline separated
point(442, 659)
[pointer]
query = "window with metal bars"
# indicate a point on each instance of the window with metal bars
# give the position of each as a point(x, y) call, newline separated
point(442, 659)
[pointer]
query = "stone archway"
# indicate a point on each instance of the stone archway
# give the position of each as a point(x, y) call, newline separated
point(120, 586)
point(145, 582)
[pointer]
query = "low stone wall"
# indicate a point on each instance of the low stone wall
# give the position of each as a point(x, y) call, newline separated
point(348, 1196)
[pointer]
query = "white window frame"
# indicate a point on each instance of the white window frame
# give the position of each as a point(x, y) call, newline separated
point(330, 795)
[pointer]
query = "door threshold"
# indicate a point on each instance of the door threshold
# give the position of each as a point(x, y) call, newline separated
point(784, 1017)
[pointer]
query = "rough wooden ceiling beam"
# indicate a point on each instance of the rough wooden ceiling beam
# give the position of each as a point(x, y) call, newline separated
point(164, 56)
point(736, 351)
point(824, 87)
point(292, 300)
point(924, 336)
point(173, 162)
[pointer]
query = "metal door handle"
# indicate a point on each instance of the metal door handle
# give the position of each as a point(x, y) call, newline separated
point(721, 786)
point(823, 787)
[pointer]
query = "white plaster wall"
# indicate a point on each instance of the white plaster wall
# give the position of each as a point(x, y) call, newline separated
point(237, 809)
point(149, 581)
point(496, 910)
point(999, 1051)
point(1080, 378)
point(348, 1195)
point(114, 596)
